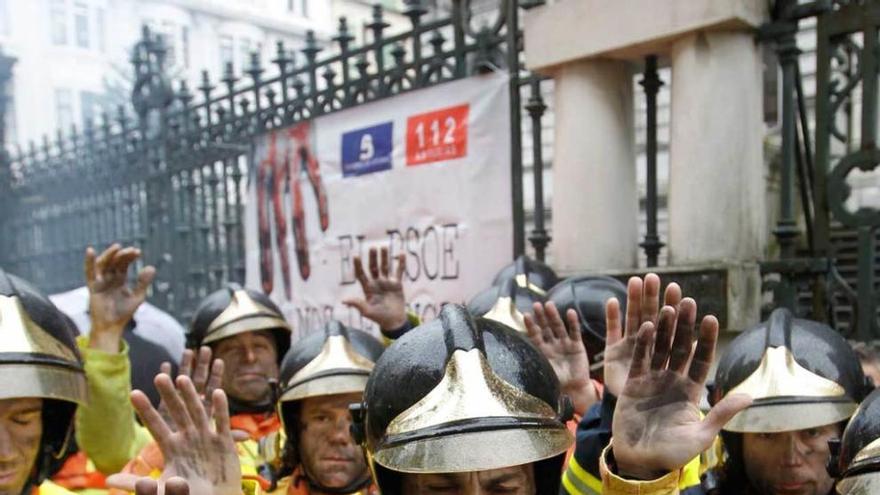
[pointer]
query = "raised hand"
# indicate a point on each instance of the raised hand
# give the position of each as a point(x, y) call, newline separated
point(202, 455)
point(562, 346)
point(657, 426)
point(383, 300)
point(642, 305)
point(112, 302)
point(206, 375)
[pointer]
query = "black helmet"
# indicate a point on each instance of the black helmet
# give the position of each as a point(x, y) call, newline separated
point(39, 358)
point(587, 295)
point(800, 373)
point(528, 272)
point(461, 394)
point(234, 310)
point(505, 303)
point(336, 360)
point(857, 464)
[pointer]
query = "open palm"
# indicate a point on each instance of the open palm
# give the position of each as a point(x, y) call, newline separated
point(657, 424)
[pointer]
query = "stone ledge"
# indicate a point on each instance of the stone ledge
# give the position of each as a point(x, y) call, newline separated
point(572, 30)
point(729, 290)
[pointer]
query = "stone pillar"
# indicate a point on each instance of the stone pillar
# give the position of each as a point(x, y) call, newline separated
point(717, 191)
point(595, 218)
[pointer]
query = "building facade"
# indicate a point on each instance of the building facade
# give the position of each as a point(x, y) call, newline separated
point(73, 55)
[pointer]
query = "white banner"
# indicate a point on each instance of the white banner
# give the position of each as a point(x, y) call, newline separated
point(425, 174)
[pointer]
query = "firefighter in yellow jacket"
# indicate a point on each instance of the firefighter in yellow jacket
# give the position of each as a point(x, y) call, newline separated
point(43, 381)
point(322, 375)
point(782, 392)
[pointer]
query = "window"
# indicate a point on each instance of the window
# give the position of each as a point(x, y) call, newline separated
point(100, 40)
point(58, 22)
point(4, 18)
point(168, 32)
point(184, 46)
point(81, 24)
point(63, 108)
point(299, 7)
point(244, 55)
point(226, 53)
point(90, 105)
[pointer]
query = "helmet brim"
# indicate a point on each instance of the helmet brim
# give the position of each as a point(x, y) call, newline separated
point(862, 484)
point(43, 381)
point(475, 451)
point(791, 415)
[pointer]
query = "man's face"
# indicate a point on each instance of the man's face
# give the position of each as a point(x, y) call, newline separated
point(21, 428)
point(251, 360)
point(516, 480)
point(789, 463)
point(328, 453)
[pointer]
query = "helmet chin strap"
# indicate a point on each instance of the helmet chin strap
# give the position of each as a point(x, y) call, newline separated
point(246, 407)
point(355, 486)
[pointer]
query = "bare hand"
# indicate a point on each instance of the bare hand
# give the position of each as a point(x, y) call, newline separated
point(642, 305)
point(112, 302)
point(566, 352)
point(206, 376)
point(205, 457)
point(383, 301)
point(657, 426)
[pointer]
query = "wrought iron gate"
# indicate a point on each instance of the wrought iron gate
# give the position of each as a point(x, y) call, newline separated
point(169, 174)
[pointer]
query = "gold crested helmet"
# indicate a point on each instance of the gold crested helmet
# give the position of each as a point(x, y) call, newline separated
point(856, 457)
point(515, 288)
point(39, 359)
point(463, 394)
point(800, 374)
point(528, 272)
point(506, 303)
point(234, 310)
point(332, 361)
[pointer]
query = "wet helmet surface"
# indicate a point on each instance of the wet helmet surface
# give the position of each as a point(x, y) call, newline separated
point(461, 394)
point(800, 374)
point(858, 461)
point(39, 358)
point(234, 310)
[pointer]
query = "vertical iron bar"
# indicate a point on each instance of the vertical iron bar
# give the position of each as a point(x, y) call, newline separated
point(458, 23)
point(6, 194)
point(821, 220)
point(536, 108)
point(651, 83)
point(869, 88)
point(786, 230)
point(867, 305)
point(516, 170)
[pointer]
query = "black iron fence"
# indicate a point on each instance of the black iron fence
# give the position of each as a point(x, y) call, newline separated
point(826, 267)
point(168, 174)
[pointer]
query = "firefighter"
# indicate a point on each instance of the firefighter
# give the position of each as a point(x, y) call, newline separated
point(248, 337)
point(464, 405)
point(43, 382)
point(528, 272)
point(321, 375)
point(782, 390)
point(856, 457)
point(245, 333)
point(513, 291)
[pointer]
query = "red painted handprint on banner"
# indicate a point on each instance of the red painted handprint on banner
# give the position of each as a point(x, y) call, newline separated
point(289, 156)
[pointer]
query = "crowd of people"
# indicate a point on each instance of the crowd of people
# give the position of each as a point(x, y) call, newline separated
point(539, 386)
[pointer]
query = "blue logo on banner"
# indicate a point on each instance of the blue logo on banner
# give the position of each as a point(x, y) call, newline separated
point(367, 150)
